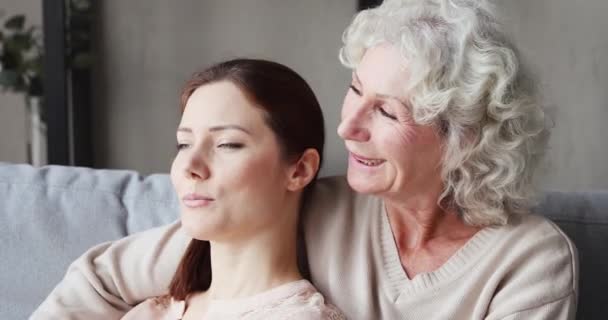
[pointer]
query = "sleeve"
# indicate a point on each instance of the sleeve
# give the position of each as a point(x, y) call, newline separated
point(106, 281)
point(562, 309)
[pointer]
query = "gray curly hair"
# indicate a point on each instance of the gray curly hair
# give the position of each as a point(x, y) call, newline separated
point(468, 81)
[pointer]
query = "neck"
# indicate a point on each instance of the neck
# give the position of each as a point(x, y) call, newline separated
point(249, 266)
point(419, 220)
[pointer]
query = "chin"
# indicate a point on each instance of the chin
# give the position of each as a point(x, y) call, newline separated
point(197, 227)
point(361, 185)
point(196, 232)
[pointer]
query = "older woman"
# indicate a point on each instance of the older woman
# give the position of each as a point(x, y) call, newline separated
point(444, 135)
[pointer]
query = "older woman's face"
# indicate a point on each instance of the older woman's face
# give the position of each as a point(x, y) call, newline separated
point(389, 154)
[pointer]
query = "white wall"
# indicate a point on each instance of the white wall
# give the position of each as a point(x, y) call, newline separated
point(12, 106)
point(12, 128)
point(567, 44)
point(149, 48)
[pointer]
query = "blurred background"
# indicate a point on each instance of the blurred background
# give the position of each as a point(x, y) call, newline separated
point(98, 81)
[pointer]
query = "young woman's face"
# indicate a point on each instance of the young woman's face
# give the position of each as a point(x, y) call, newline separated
point(229, 173)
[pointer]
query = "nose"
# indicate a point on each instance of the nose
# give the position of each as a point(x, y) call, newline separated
point(353, 125)
point(196, 167)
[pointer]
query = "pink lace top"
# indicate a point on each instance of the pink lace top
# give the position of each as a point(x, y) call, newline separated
point(298, 300)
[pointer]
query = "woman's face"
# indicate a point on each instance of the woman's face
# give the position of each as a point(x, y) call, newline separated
point(389, 155)
point(228, 172)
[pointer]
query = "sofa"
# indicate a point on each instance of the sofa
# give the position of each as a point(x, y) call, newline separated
point(51, 215)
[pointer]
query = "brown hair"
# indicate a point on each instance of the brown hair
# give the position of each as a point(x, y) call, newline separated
point(294, 115)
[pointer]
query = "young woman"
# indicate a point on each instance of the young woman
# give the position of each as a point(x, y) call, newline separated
point(249, 146)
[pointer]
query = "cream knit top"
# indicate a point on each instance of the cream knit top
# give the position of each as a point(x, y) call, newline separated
point(527, 269)
point(297, 300)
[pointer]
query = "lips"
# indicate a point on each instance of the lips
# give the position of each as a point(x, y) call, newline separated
point(369, 162)
point(194, 200)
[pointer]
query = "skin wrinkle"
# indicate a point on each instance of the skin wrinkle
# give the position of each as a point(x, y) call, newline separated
point(465, 72)
point(409, 178)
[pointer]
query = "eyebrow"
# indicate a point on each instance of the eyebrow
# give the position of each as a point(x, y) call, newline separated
point(380, 95)
point(218, 128)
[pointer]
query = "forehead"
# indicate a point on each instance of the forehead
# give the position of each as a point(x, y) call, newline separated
point(220, 103)
point(383, 70)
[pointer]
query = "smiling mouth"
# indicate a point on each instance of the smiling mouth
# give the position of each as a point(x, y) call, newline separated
point(367, 161)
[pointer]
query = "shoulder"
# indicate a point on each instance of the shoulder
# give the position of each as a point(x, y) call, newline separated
point(564, 308)
point(338, 224)
point(325, 312)
point(331, 189)
point(309, 304)
point(538, 265)
point(156, 308)
point(334, 215)
point(535, 228)
point(540, 238)
point(317, 315)
point(333, 198)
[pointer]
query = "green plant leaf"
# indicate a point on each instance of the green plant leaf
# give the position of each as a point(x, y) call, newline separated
point(82, 61)
point(15, 22)
point(18, 42)
point(81, 5)
point(35, 87)
point(10, 59)
point(30, 31)
point(9, 78)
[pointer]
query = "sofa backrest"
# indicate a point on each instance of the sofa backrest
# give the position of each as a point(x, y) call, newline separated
point(51, 215)
point(583, 216)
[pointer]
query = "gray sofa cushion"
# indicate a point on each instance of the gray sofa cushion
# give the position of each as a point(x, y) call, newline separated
point(50, 216)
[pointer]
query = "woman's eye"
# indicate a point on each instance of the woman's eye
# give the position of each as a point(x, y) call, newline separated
point(181, 146)
point(355, 90)
point(230, 145)
point(386, 114)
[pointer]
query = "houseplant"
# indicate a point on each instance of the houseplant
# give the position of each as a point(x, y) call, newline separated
point(21, 53)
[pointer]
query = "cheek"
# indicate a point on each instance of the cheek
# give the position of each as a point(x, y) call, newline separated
point(431, 146)
point(396, 148)
point(400, 146)
point(415, 146)
point(246, 174)
point(175, 172)
point(394, 138)
point(250, 176)
point(252, 192)
point(407, 133)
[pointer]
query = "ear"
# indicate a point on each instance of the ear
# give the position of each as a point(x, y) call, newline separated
point(301, 173)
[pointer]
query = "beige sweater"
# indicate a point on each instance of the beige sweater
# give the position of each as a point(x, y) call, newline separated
point(297, 300)
point(525, 270)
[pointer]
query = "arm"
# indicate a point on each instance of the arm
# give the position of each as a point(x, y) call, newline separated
point(109, 279)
